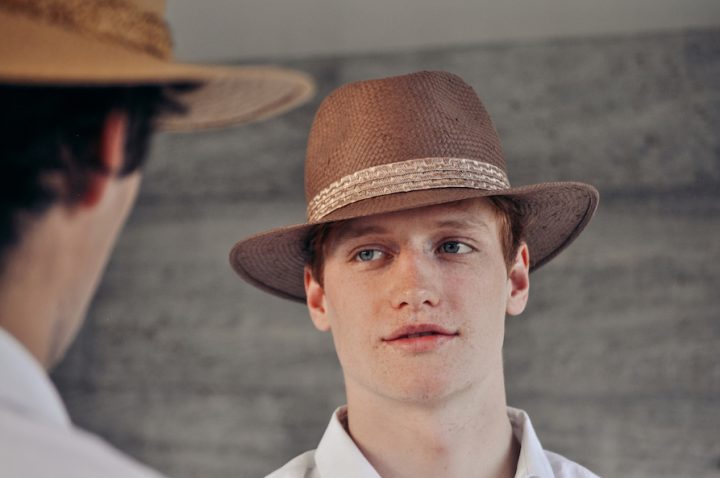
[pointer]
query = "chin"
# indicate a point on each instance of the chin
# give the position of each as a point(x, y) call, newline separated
point(425, 390)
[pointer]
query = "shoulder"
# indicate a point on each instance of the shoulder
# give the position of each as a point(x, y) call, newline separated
point(564, 468)
point(301, 466)
point(30, 447)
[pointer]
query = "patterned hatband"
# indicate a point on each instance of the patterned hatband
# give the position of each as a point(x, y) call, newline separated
point(405, 176)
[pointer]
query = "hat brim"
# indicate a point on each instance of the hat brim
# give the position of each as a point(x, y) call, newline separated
point(555, 214)
point(35, 53)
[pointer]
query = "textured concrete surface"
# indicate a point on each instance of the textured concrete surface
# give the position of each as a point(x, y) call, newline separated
point(616, 358)
point(228, 29)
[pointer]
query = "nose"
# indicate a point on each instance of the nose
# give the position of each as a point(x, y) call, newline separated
point(414, 282)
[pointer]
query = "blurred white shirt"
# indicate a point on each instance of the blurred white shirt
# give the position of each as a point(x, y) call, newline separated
point(337, 455)
point(37, 438)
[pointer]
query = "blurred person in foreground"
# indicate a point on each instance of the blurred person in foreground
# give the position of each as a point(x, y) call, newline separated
point(415, 249)
point(83, 84)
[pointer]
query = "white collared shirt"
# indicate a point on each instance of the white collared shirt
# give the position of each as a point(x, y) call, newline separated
point(338, 456)
point(36, 437)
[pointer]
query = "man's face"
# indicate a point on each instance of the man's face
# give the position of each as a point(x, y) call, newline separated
point(416, 300)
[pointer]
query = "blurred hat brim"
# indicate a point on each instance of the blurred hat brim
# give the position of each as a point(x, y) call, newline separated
point(35, 52)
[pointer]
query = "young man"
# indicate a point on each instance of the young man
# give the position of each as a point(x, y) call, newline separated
point(81, 85)
point(415, 249)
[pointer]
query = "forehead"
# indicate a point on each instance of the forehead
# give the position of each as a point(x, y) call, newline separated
point(475, 213)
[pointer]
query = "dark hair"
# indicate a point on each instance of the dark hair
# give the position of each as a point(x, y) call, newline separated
point(314, 248)
point(512, 228)
point(57, 130)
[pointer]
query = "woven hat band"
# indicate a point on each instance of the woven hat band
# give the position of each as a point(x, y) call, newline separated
point(405, 176)
point(117, 21)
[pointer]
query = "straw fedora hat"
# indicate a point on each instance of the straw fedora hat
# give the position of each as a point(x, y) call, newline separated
point(400, 143)
point(127, 42)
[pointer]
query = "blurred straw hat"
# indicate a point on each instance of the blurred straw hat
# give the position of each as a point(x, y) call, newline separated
point(128, 42)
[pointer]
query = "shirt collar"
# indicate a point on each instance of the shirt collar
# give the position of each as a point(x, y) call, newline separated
point(337, 451)
point(26, 387)
point(532, 462)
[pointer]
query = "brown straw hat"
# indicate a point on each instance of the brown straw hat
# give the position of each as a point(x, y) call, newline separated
point(127, 42)
point(401, 143)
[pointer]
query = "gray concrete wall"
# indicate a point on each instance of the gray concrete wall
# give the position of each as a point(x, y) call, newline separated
point(616, 358)
point(228, 29)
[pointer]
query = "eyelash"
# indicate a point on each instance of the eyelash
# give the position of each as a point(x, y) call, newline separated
point(356, 256)
point(459, 243)
point(469, 249)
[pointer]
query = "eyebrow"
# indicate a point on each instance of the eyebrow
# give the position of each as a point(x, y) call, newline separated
point(462, 224)
point(349, 231)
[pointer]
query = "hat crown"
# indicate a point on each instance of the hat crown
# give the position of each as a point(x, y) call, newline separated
point(429, 114)
point(136, 24)
point(155, 6)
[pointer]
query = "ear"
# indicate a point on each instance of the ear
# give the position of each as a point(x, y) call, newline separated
point(316, 301)
point(519, 282)
point(111, 153)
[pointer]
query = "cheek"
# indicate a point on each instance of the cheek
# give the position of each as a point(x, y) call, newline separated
point(478, 298)
point(483, 283)
point(351, 309)
point(353, 340)
point(353, 304)
point(353, 293)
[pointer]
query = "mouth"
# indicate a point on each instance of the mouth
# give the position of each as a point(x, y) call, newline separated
point(417, 331)
point(421, 334)
point(421, 337)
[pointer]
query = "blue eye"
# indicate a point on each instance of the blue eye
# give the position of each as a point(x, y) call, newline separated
point(368, 255)
point(455, 247)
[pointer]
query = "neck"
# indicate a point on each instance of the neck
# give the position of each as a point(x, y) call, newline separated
point(33, 291)
point(468, 434)
point(48, 279)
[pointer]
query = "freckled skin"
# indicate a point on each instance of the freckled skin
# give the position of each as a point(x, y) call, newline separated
point(441, 265)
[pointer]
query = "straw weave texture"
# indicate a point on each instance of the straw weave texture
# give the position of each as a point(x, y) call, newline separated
point(369, 123)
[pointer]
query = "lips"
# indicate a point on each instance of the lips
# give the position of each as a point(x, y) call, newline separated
point(420, 337)
point(417, 330)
